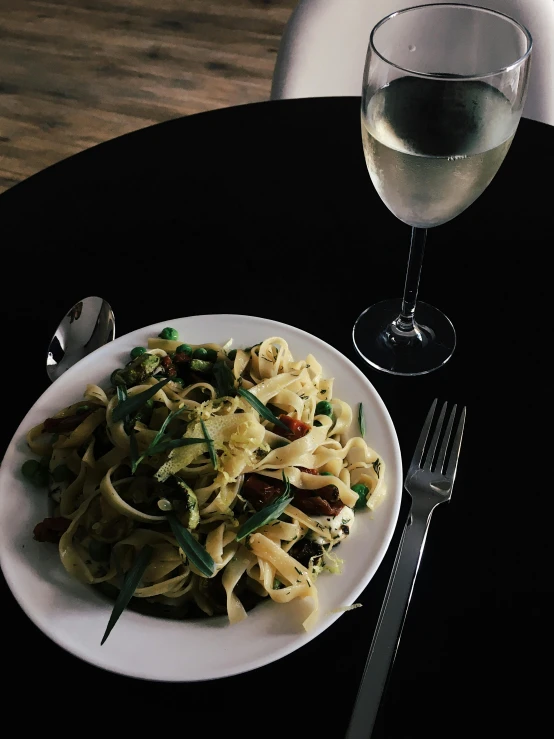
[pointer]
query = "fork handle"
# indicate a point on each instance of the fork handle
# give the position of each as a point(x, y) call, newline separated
point(389, 626)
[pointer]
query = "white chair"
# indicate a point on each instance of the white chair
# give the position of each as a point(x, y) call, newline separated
point(323, 48)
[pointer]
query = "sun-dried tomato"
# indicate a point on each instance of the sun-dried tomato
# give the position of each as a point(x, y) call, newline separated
point(51, 529)
point(296, 429)
point(323, 502)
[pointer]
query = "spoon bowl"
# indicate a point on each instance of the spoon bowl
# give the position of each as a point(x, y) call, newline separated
point(87, 326)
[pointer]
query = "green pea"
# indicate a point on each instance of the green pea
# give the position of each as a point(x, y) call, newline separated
point(232, 354)
point(184, 349)
point(170, 334)
point(30, 468)
point(211, 355)
point(35, 472)
point(200, 353)
point(137, 351)
point(326, 473)
point(361, 491)
point(324, 408)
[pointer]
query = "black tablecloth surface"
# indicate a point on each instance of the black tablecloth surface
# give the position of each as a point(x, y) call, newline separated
point(275, 199)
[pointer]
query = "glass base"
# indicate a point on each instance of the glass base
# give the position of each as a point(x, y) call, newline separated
point(384, 346)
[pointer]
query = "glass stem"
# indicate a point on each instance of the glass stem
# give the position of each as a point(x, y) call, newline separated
point(405, 321)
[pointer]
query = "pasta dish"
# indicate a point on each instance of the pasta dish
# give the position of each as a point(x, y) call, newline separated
point(201, 480)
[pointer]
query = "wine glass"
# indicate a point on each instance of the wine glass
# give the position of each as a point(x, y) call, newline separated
point(443, 91)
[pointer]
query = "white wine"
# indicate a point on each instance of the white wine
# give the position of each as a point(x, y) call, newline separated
point(433, 146)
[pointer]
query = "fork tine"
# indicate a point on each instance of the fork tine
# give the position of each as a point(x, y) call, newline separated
point(455, 453)
point(435, 440)
point(418, 453)
point(444, 445)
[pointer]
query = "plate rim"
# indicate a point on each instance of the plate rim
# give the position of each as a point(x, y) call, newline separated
point(295, 642)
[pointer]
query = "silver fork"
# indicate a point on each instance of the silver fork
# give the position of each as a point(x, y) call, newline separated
point(429, 482)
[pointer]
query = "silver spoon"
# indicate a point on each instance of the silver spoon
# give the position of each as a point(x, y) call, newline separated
point(87, 326)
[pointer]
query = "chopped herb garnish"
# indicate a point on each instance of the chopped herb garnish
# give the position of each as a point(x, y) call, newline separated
point(210, 443)
point(361, 419)
point(260, 407)
point(377, 466)
point(266, 514)
point(195, 552)
point(299, 571)
point(130, 583)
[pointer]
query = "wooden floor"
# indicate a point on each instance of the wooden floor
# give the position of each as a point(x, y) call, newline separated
point(74, 73)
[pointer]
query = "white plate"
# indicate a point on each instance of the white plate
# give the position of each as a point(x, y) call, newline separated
point(75, 616)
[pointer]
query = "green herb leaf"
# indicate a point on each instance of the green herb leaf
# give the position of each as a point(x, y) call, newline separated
point(165, 424)
point(224, 378)
point(377, 467)
point(361, 420)
point(361, 491)
point(166, 444)
point(159, 444)
point(210, 442)
point(130, 583)
point(260, 407)
point(128, 424)
point(268, 513)
point(136, 459)
point(132, 405)
point(129, 428)
point(195, 552)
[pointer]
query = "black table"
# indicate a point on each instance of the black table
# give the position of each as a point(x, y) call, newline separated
point(277, 197)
